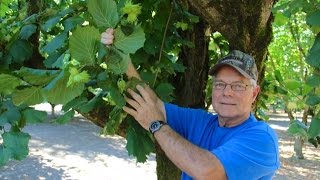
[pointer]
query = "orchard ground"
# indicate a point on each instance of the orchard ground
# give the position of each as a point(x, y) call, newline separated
point(77, 151)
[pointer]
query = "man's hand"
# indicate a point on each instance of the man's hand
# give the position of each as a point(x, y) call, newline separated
point(145, 108)
point(107, 37)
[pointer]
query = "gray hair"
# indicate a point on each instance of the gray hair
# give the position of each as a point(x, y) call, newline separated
point(253, 82)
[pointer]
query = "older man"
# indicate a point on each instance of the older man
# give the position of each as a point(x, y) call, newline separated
point(231, 144)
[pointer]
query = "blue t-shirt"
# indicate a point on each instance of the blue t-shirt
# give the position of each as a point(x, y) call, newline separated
point(246, 151)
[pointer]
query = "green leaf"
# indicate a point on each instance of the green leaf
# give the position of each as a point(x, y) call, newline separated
point(29, 96)
point(34, 116)
point(165, 91)
point(131, 43)
point(66, 117)
point(313, 19)
point(280, 19)
point(314, 54)
point(117, 62)
point(72, 22)
point(314, 129)
point(60, 93)
point(116, 116)
point(314, 80)
point(21, 50)
point(313, 100)
point(117, 97)
point(278, 76)
point(27, 31)
point(280, 90)
point(75, 103)
point(139, 143)
point(9, 113)
point(297, 128)
point(87, 107)
point(5, 153)
point(56, 43)
point(37, 76)
point(8, 83)
point(84, 45)
point(17, 143)
point(292, 84)
point(51, 23)
point(57, 59)
point(104, 13)
point(306, 89)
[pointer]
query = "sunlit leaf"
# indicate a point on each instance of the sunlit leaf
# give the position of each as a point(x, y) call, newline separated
point(37, 76)
point(29, 96)
point(60, 93)
point(8, 83)
point(84, 45)
point(104, 12)
point(292, 84)
point(130, 43)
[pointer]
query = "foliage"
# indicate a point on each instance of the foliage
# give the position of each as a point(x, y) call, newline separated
point(296, 26)
point(55, 56)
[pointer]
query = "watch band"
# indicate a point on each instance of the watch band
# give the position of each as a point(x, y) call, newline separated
point(156, 126)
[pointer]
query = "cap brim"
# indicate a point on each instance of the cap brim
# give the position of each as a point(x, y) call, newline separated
point(216, 67)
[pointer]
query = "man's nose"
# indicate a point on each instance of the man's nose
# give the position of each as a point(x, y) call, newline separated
point(227, 90)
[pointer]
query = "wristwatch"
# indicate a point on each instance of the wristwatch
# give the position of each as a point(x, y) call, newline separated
point(156, 125)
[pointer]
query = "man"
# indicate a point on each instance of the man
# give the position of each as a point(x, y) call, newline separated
point(229, 145)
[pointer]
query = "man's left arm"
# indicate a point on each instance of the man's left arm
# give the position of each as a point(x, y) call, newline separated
point(199, 163)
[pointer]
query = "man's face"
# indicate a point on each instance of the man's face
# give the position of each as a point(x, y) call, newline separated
point(229, 104)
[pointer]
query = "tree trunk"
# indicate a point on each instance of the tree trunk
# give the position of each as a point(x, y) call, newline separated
point(245, 24)
point(189, 88)
point(36, 61)
point(298, 144)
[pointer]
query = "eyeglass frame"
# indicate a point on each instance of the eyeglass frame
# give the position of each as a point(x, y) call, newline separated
point(232, 86)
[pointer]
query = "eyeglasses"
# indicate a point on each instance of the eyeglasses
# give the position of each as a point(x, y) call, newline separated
point(234, 87)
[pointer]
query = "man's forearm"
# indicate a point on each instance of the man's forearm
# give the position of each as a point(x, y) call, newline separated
point(132, 72)
point(197, 162)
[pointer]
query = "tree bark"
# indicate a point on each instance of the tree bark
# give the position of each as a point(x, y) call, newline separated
point(36, 61)
point(246, 26)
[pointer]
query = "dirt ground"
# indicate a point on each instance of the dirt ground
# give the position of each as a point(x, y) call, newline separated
point(77, 151)
point(291, 167)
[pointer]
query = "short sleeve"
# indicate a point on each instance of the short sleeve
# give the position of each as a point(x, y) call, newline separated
point(190, 123)
point(252, 154)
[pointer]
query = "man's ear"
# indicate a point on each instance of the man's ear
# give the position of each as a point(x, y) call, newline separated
point(256, 91)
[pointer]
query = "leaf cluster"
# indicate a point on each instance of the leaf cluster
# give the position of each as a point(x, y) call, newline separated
point(54, 55)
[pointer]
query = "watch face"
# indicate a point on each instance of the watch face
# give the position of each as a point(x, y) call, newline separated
point(154, 126)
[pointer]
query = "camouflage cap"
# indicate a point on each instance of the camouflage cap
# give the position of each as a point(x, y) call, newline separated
point(242, 62)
